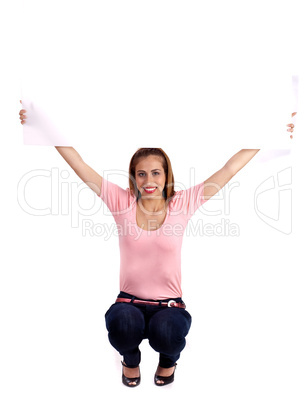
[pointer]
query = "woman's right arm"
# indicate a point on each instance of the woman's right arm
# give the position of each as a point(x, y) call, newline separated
point(72, 157)
point(84, 171)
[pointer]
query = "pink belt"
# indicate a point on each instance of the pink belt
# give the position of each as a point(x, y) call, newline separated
point(170, 303)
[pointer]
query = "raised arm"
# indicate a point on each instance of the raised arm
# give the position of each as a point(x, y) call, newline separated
point(72, 157)
point(219, 179)
point(84, 171)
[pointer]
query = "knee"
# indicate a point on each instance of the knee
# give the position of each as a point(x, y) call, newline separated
point(168, 331)
point(124, 321)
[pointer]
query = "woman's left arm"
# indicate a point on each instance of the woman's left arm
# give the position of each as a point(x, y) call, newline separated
point(219, 179)
point(240, 159)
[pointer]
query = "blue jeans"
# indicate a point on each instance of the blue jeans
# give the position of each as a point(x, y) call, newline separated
point(165, 328)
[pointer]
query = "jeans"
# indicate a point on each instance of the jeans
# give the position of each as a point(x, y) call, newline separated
point(165, 328)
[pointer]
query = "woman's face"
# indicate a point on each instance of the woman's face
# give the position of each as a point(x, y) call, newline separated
point(150, 174)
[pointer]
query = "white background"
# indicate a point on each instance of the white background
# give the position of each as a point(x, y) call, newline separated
point(136, 74)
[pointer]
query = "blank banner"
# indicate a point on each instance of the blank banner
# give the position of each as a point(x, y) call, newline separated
point(152, 72)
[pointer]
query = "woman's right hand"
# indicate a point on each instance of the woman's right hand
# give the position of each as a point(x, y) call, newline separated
point(22, 115)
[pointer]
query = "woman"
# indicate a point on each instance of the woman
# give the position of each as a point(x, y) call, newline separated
point(152, 218)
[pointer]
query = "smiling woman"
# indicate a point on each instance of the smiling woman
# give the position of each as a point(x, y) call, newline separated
point(150, 268)
point(160, 166)
point(151, 217)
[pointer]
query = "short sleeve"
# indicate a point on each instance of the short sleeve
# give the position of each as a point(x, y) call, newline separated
point(188, 201)
point(115, 197)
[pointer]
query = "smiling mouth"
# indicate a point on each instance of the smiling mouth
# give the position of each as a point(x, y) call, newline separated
point(149, 190)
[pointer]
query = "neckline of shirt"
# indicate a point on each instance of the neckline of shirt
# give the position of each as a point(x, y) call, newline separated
point(144, 230)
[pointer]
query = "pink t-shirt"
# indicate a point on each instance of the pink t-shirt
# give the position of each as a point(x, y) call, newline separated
point(150, 261)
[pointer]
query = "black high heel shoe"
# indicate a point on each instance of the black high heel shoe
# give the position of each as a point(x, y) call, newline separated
point(166, 380)
point(127, 381)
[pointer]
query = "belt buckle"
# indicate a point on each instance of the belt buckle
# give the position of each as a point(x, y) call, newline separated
point(169, 302)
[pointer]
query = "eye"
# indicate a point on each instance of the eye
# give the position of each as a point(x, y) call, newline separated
point(140, 174)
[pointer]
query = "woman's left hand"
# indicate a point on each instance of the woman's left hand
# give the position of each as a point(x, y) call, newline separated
point(291, 125)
